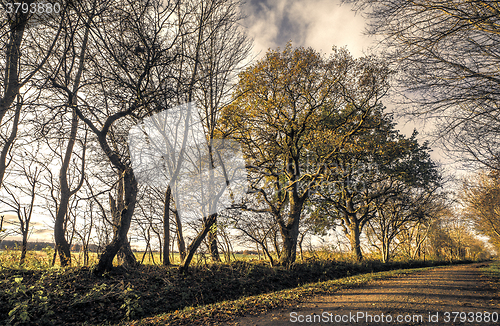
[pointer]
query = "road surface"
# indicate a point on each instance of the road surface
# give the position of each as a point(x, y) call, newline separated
point(453, 295)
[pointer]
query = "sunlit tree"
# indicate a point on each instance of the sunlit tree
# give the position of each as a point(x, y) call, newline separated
point(480, 197)
point(293, 113)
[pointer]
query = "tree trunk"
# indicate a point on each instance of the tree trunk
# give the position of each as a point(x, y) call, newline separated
point(62, 246)
point(9, 142)
point(290, 234)
point(197, 241)
point(59, 228)
point(126, 255)
point(385, 251)
point(166, 227)
point(181, 245)
point(212, 243)
point(289, 252)
point(355, 242)
point(1, 226)
point(122, 225)
point(300, 246)
point(24, 246)
point(276, 244)
point(11, 81)
point(268, 254)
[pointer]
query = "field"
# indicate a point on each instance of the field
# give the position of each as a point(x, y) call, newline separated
point(40, 295)
point(43, 258)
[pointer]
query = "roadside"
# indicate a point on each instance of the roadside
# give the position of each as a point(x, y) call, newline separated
point(453, 295)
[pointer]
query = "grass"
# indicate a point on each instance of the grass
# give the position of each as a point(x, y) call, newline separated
point(9, 258)
point(492, 271)
point(155, 294)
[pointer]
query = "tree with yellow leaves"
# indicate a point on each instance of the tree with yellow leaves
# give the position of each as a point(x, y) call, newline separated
point(480, 197)
point(293, 112)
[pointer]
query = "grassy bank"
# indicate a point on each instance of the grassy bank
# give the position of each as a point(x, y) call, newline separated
point(75, 295)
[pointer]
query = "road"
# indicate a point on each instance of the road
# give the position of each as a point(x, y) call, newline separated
point(453, 295)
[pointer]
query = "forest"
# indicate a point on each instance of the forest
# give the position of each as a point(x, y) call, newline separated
point(146, 141)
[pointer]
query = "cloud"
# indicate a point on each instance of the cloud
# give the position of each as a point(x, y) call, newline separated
point(319, 24)
point(44, 233)
point(9, 218)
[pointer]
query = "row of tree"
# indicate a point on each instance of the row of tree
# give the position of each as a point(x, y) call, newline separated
point(320, 151)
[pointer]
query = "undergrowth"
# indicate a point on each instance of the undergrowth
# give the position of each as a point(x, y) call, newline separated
point(74, 295)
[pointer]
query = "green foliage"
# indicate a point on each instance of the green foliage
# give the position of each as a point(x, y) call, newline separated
point(493, 271)
point(25, 302)
point(131, 303)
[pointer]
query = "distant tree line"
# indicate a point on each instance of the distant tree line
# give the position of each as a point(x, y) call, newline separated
point(14, 244)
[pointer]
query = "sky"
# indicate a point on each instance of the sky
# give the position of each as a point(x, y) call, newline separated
point(319, 24)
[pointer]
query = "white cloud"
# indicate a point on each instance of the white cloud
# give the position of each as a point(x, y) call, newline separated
point(319, 24)
point(331, 24)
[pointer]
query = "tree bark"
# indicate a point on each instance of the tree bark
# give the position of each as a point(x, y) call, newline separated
point(290, 234)
point(24, 247)
point(126, 255)
point(63, 247)
point(212, 243)
point(181, 244)
point(11, 70)
point(289, 252)
point(8, 144)
point(11, 84)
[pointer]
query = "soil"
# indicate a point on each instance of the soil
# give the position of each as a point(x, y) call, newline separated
point(456, 295)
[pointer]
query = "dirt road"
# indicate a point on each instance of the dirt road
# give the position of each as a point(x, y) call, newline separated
point(456, 295)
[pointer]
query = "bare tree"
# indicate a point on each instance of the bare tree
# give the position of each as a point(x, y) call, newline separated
point(20, 63)
point(395, 213)
point(211, 47)
point(224, 48)
point(447, 55)
point(480, 195)
point(256, 227)
point(65, 73)
point(135, 59)
point(24, 186)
